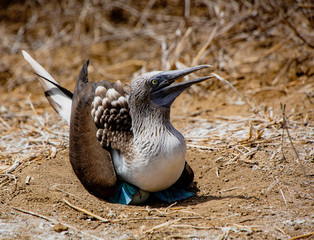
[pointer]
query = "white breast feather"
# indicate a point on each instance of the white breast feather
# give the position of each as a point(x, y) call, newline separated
point(156, 167)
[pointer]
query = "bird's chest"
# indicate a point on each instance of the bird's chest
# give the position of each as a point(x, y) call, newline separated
point(157, 162)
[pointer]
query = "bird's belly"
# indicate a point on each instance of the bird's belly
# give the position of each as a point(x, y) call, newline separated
point(160, 174)
point(153, 174)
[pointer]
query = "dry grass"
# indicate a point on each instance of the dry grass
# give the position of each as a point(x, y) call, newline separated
point(209, 29)
point(262, 51)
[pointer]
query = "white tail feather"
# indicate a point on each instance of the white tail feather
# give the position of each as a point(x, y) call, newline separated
point(60, 101)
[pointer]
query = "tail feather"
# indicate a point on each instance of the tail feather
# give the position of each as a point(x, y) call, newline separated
point(59, 98)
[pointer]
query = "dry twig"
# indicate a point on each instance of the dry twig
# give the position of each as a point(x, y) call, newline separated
point(234, 89)
point(162, 226)
point(55, 222)
point(302, 236)
point(285, 126)
point(86, 212)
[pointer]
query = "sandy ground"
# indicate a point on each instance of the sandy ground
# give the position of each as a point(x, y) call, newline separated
point(253, 180)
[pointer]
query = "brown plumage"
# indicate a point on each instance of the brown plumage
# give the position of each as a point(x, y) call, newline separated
point(91, 163)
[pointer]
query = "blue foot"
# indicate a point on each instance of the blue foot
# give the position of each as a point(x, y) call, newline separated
point(173, 194)
point(125, 193)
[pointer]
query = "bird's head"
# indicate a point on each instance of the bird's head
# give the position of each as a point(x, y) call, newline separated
point(155, 88)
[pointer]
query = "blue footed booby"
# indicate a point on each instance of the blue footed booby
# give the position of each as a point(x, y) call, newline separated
point(123, 147)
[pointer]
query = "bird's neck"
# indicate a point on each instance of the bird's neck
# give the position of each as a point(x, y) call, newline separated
point(147, 119)
point(158, 151)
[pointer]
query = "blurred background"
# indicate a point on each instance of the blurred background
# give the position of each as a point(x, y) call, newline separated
point(263, 48)
point(268, 42)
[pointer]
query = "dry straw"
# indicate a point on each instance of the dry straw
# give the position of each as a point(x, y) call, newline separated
point(125, 39)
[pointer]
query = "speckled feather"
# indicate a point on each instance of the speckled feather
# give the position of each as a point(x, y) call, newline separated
point(110, 112)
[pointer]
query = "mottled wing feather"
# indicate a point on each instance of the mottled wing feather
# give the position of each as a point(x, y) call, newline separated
point(110, 112)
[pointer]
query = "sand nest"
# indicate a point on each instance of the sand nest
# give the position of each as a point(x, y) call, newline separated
point(249, 130)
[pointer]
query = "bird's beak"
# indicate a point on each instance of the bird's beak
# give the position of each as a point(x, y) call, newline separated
point(165, 93)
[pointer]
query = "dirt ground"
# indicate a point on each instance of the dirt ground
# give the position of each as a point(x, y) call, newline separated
point(253, 159)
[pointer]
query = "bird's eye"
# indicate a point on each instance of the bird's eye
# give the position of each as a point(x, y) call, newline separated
point(154, 82)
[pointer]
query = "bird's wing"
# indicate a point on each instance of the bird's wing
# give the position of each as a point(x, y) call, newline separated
point(90, 161)
point(59, 98)
point(110, 113)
